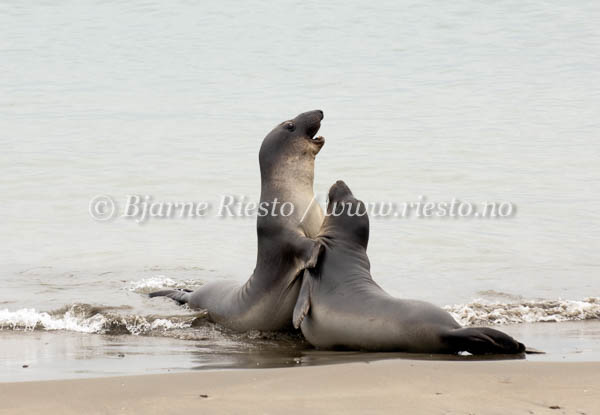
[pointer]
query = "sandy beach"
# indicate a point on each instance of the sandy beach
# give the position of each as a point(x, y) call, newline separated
point(399, 386)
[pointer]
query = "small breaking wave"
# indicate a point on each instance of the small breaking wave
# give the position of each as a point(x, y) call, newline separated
point(90, 319)
point(85, 318)
point(150, 284)
point(480, 312)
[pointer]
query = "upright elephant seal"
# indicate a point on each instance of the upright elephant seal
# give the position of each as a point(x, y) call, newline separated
point(285, 248)
point(340, 306)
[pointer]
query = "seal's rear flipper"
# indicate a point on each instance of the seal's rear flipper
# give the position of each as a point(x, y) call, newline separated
point(181, 296)
point(303, 303)
point(531, 350)
point(482, 340)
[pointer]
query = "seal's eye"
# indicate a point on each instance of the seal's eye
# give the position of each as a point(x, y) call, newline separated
point(289, 126)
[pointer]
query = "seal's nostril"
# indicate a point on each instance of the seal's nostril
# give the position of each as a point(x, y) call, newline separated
point(320, 112)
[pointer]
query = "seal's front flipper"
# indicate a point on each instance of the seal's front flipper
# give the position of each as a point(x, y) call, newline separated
point(310, 251)
point(181, 296)
point(482, 340)
point(303, 303)
point(531, 350)
point(315, 253)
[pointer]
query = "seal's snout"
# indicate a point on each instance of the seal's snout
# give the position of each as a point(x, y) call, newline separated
point(339, 191)
point(310, 117)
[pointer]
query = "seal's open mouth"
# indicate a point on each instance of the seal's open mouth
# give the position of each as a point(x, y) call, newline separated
point(313, 124)
point(318, 139)
point(312, 134)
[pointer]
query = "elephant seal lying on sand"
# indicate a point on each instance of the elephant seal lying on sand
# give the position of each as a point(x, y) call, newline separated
point(340, 306)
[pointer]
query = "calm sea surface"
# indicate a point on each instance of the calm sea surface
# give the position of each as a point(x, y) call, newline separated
point(478, 101)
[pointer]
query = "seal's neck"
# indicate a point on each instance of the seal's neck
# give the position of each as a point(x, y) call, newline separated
point(341, 241)
point(348, 258)
point(294, 174)
point(345, 232)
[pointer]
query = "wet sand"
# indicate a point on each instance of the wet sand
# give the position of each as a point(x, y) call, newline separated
point(53, 355)
point(398, 386)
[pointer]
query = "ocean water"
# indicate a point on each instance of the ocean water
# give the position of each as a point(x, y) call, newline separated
point(471, 101)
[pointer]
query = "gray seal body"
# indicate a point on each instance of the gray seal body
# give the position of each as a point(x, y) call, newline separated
point(285, 248)
point(340, 306)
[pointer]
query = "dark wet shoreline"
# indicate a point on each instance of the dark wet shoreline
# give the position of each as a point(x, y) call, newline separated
point(64, 354)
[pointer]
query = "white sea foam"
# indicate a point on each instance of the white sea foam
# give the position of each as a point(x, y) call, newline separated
point(481, 312)
point(82, 318)
point(140, 325)
point(158, 282)
point(30, 319)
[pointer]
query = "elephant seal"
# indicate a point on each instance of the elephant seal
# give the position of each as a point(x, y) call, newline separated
point(340, 306)
point(285, 248)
